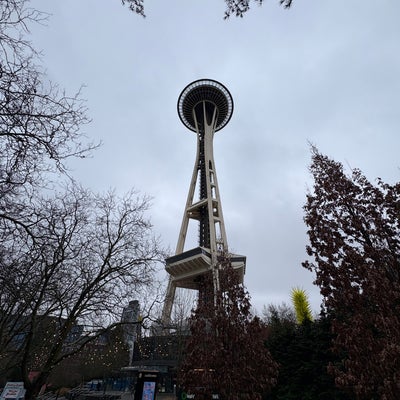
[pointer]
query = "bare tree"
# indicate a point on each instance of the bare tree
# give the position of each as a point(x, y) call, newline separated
point(68, 257)
point(90, 254)
point(281, 312)
point(184, 303)
point(39, 123)
point(354, 233)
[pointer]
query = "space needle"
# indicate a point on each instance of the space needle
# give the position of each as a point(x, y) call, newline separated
point(205, 106)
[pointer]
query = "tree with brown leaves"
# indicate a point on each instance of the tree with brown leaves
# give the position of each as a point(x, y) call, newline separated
point(354, 233)
point(226, 354)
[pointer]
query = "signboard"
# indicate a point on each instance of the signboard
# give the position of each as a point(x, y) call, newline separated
point(149, 390)
point(13, 391)
point(146, 385)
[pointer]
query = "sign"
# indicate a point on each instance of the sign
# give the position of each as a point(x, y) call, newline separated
point(149, 389)
point(13, 391)
point(146, 385)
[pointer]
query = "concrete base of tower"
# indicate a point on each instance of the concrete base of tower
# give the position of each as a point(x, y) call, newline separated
point(186, 268)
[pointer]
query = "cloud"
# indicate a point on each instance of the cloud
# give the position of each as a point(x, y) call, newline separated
point(323, 72)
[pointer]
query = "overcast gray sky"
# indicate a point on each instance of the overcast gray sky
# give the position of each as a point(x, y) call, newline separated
point(325, 72)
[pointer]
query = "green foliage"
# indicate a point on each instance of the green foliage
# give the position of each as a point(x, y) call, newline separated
point(303, 354)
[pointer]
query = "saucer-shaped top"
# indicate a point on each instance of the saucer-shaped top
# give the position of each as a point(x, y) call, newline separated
point(205, 90)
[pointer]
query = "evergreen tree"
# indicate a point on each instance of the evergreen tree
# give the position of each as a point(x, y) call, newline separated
point(303, 353)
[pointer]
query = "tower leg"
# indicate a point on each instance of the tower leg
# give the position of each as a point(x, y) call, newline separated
point(169, 299)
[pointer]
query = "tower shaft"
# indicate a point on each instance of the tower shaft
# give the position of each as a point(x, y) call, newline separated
point(207, 208)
